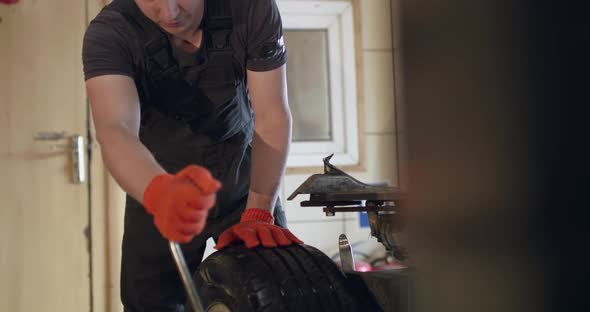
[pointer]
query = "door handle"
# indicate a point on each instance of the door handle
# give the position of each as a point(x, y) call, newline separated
point(78, 161)
point(49, 136)
point(74, 146)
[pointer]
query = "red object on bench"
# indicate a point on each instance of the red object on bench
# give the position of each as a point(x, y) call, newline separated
point(8, 1)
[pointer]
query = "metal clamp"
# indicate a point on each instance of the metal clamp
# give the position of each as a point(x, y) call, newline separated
point(346, 255)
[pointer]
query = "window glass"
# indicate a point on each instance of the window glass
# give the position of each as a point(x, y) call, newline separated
point(308, 84)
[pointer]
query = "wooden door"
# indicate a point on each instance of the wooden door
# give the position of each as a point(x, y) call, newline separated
point(44, 215)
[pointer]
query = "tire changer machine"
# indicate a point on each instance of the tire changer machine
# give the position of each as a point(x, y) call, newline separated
point(338, 192)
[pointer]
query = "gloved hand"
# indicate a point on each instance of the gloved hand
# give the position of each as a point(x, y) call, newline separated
point(257, 226)
point(180, 203)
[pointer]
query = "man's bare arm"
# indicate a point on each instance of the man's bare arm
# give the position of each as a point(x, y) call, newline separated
point(270, 146)
point(116, 114)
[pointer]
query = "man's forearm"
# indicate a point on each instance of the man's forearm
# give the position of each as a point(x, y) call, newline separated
point(128, 161)
point(270, 148)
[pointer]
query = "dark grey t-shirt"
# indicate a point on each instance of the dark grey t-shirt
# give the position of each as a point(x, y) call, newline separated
point(111, 45)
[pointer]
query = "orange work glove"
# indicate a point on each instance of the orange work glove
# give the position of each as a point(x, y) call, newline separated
point(256, 227)
point(180, 203)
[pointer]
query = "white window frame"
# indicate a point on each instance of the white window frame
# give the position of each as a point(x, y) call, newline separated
point(335, 17)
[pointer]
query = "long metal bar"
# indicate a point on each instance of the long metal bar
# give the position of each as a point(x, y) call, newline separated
point(187, 279)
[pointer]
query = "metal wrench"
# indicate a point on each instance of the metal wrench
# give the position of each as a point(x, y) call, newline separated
point(187, 278)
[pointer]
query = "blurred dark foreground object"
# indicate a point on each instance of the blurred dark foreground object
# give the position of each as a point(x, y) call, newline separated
point(491, 97)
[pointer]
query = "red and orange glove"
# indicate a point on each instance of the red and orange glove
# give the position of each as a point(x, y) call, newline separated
point(180, 203)
point(257, 227)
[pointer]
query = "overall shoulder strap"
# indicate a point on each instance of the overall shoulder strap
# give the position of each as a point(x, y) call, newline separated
point(219, 23)
point(160, 62)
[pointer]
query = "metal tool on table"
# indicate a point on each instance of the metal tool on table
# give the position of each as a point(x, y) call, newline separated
point(187, 279)
point(337, 192)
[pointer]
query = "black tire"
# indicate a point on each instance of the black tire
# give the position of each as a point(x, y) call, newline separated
point(293, 278)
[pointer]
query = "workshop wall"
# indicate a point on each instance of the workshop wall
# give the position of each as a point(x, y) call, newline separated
point(380, 162)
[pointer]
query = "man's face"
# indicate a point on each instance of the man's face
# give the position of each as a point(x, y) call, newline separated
point(174, 16)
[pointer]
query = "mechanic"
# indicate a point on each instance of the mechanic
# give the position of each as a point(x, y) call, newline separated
point(189, 101)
